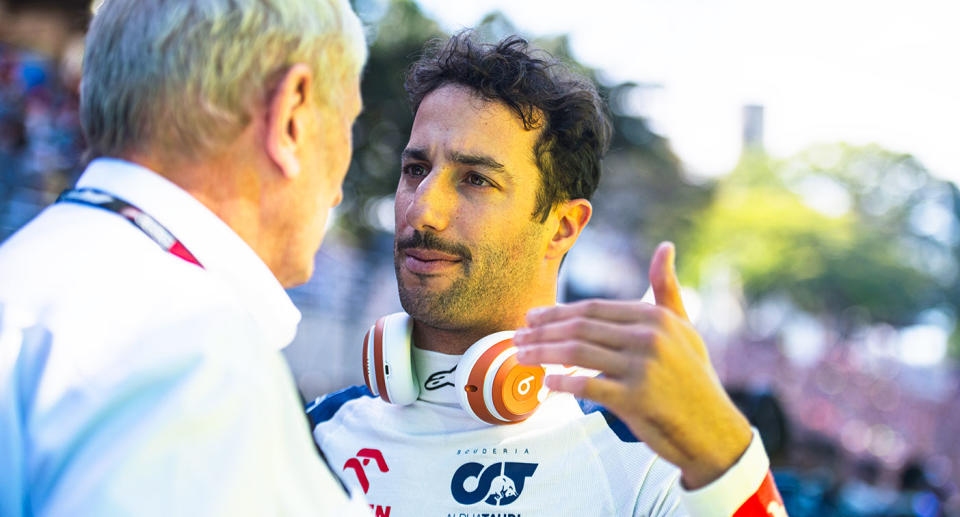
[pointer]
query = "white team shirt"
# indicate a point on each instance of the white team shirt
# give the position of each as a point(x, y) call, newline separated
point(431, 459)
point(133, 382)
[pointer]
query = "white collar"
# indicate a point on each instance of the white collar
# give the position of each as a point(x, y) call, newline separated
point(221, 251)
point(435, 372)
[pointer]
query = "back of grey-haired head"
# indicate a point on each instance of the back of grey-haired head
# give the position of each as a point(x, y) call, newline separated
point(177, 77)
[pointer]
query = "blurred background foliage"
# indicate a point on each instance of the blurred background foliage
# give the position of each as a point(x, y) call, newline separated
point(857, 234)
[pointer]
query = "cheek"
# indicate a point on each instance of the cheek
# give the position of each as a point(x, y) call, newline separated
point(511, 256)
point(503, 223)
point(529, 241)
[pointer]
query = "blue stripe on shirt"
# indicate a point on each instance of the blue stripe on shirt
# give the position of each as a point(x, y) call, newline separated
point(323, 408)
point(615, 424)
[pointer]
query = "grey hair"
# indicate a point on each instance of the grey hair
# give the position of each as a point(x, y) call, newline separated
point(178, 76)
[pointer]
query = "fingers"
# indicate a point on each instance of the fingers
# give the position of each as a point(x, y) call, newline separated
point(624, 311)
point(663, 278)
point(579, 353)
point(603, 391)
point(608, 334)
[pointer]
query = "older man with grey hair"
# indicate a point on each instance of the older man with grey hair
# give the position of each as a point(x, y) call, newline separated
point(141, 315)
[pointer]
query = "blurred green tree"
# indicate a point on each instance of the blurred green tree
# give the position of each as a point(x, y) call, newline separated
point(645, 193)
point(856, 234)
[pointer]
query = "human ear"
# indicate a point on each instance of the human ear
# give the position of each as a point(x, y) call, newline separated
point(287, 109)
point(570, 217)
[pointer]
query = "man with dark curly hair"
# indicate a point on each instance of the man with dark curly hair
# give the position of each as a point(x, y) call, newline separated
point(458, 416)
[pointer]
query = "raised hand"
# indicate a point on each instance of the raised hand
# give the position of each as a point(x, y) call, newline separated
point(657, 376)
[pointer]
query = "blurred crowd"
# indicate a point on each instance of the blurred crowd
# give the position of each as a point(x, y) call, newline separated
point(817, 477)
point(40, 138)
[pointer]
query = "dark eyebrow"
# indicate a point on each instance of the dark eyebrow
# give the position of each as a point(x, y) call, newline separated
point(477, 160)
point(414, 154)
point(473, 160)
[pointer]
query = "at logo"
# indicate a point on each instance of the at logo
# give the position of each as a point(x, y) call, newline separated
point(362, 460)
point(499, 484)
point(357, 463)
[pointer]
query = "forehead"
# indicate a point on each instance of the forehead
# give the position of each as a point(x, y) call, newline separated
point(453, 119)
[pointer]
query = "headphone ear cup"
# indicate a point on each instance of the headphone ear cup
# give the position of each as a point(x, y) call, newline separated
point(369, 372)
point(387, 360)
point(493, 386)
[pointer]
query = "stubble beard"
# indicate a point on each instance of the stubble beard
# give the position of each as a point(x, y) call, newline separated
point(486, 296)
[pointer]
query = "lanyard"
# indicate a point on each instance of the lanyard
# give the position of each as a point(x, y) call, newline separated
point(139, 218)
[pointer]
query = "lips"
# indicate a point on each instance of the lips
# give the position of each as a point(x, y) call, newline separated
point(427, 262)
point(430, 255)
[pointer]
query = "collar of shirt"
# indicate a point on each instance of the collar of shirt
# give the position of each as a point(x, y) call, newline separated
point(435, 372)
point(221, 251)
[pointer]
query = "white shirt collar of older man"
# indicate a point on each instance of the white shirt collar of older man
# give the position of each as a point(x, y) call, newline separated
point(221, 251)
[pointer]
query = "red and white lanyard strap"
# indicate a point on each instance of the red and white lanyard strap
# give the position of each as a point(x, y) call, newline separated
point(142, 220)
point(765, 502)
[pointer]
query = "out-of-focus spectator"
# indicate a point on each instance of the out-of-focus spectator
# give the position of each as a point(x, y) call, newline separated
point(805, 469)
point(40, 142)
point(917, 497)
point(766, 413)
point(44, 26)
point(863, 494)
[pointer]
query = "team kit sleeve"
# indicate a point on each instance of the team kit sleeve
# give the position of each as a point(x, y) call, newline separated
point(747, 489)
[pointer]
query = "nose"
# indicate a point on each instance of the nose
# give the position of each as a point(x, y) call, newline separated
point(431, 204)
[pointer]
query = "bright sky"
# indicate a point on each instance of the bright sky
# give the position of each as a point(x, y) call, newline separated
point(859, 71)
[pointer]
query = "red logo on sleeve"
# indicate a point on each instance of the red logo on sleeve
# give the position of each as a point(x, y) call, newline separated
point(765, 502)
point(358, 463)
point(361, 460)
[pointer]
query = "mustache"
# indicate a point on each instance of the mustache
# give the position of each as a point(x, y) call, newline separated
point(430, 241)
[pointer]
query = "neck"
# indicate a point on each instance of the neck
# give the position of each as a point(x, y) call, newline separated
point(223, 188)
point(457, 341)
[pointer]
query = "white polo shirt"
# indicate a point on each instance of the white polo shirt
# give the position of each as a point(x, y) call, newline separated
point(133, 382)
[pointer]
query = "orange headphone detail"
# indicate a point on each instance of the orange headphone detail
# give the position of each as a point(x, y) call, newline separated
point(492, 386)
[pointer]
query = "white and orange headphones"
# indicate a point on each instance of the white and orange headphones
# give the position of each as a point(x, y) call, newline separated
point(492, 386)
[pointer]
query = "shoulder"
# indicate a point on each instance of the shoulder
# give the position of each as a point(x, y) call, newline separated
point(324, 408)
point(73, 264)
point(64, 234)
point(71, 253)
point(107, 302)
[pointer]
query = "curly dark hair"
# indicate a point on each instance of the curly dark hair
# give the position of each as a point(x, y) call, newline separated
point(544, 94)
